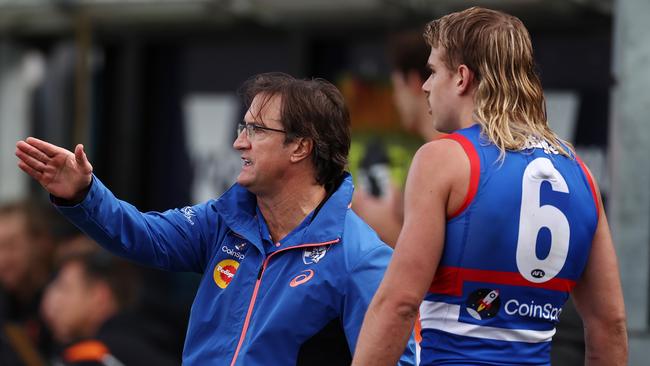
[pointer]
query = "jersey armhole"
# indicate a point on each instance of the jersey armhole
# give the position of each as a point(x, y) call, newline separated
point(475, 170)
point(592, 186)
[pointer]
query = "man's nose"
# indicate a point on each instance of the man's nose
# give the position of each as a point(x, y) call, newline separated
point(241, 142)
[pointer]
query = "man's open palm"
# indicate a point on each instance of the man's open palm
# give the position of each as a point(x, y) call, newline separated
point(62, 173)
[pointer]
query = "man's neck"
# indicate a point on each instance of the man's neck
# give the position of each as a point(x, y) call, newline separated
point(284, 211)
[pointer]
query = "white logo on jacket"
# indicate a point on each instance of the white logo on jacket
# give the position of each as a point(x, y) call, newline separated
point(314, 254)
point(188, 212)
point(233, 253)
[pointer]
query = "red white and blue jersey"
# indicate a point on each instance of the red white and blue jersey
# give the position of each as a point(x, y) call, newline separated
point(512, 254)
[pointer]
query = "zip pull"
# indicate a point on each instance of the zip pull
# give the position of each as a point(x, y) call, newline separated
point(259, 274)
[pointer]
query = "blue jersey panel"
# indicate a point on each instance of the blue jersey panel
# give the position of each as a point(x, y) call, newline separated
point(442, 348)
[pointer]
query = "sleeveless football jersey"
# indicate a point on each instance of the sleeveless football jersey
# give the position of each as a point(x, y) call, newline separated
point(512, 254)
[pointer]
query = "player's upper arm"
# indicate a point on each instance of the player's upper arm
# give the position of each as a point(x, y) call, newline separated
point(599, 299)
point(601, 278)
point(439, 171)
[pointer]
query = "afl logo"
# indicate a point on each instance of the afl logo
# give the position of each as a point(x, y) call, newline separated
point(483, 304)
point(224, 271)
point(537, 273)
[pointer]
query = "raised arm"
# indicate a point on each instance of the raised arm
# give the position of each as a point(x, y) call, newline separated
point(436, 167)
point(172, 240)
point(62, 173)
point(599, 300)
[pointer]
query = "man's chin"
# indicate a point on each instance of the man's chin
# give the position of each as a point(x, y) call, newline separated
point(244, 181)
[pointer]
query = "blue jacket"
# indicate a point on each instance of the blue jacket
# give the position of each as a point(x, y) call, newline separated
point(258, 301)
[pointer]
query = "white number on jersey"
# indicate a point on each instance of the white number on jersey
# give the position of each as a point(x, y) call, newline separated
point(533, 218)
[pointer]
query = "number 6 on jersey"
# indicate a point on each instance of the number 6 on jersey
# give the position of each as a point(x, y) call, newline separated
point(533, 218)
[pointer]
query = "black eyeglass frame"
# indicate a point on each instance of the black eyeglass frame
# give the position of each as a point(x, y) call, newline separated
point(251, 129)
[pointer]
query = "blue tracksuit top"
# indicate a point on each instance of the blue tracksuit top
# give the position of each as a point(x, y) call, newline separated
point(258, 301)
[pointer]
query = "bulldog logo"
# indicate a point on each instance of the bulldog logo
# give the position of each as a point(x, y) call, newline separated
point(314, 254)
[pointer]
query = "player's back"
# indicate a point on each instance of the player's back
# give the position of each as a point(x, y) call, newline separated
point(512, 254)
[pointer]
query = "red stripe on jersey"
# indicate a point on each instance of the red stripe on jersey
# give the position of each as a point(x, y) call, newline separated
point(475, 169)
point(449, 280)
point(591, 184)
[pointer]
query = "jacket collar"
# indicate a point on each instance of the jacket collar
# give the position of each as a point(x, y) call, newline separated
point(237, 207)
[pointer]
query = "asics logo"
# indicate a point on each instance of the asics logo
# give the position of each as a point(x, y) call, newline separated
point(303, 277)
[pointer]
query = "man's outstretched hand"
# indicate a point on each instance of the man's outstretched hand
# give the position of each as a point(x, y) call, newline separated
point(62, 173)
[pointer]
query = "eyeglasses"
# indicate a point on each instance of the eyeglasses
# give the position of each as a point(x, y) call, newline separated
point(252, 129)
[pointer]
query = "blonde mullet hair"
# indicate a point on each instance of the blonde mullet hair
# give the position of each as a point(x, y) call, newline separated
point(509, 101)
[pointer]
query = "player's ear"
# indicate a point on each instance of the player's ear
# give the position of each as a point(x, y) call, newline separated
point(464, 79)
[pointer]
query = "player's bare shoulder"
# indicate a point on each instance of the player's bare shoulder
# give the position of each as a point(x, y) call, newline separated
point(441, 165)
point(444, 158)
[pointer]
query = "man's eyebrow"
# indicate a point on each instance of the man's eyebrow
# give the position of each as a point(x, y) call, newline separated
point(253, 122)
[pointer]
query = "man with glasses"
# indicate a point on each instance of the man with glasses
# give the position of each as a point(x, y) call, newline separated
point(286, 265)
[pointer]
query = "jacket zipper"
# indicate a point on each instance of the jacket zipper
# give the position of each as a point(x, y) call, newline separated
point(251, 305)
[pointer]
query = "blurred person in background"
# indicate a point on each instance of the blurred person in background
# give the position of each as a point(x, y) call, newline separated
point(72, 243)
point(159, 332)
point(282, 255)
point(25, 265)
point(87, 308)
point(502, 220)
point(408, 55)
